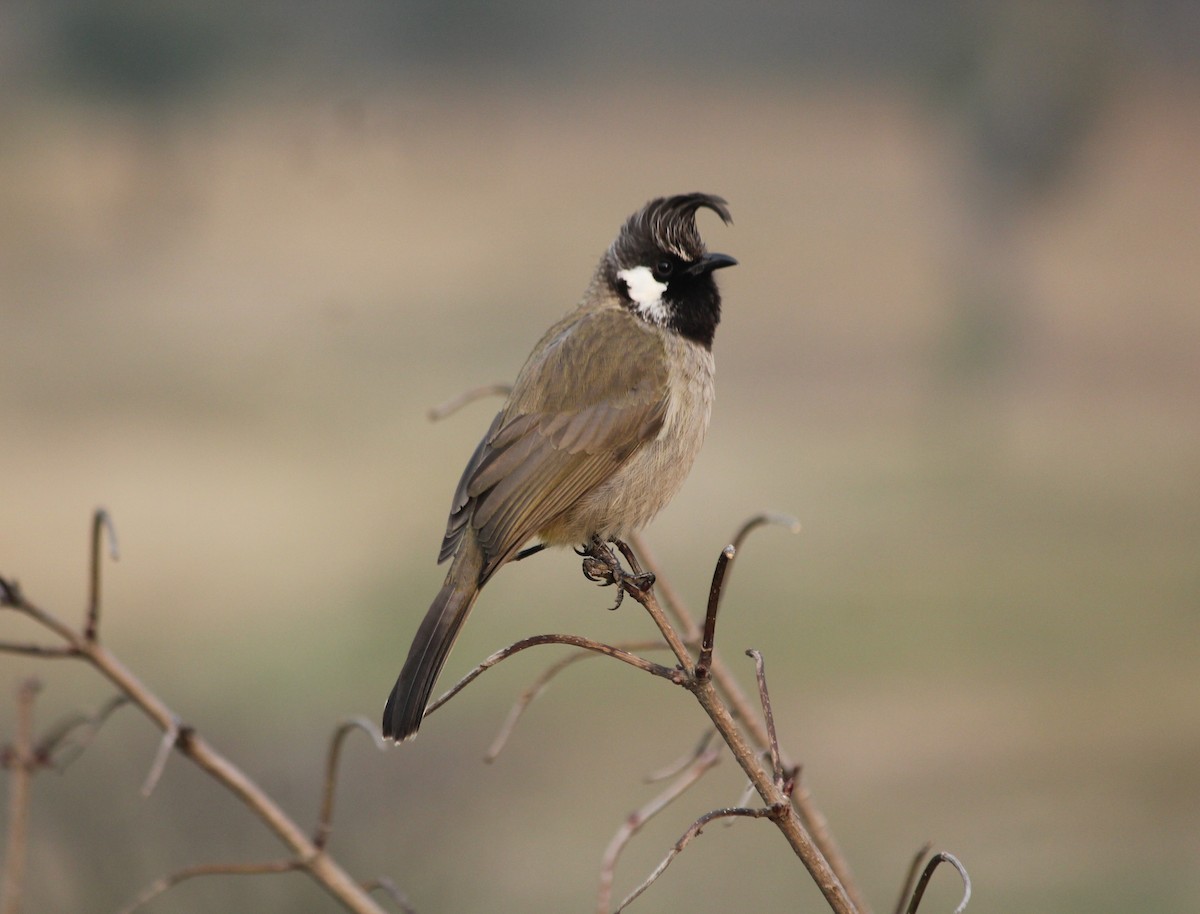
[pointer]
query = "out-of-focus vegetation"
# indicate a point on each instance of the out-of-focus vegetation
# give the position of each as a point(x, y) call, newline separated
point(241, 254)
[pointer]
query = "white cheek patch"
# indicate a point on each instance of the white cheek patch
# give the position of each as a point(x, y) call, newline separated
point(646, 293)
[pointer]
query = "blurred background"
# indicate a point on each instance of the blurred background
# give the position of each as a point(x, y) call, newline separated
point(244, 248)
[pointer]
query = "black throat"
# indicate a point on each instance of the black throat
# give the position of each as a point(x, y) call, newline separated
point(695, 310)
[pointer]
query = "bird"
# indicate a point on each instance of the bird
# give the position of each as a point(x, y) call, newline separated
point(598, 433)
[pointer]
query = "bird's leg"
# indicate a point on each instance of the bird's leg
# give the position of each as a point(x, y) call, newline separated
point(528, 551)
point(601, 564)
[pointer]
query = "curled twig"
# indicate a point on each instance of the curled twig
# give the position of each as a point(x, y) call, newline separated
point(389, 888)
point(707, 642)
point(720, 575)
point(939, 858)
point(760, 520)
point(454, 404)
point(693, 830)
point(571, 640)
point(101, 524)
point(634, 822)
point(910, 880)
point(535, 688)
point(325, 822)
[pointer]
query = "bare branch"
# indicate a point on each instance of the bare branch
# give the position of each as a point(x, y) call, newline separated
point(101, 523)
point(169, 881)
point(634, 822)
point(454, 404)
point(708, 640)
point(24, 760)
point(693, 830)
point(13, 597)
point(539, 685)
point(720, 574)
point(791, 822)
point(741, 708)
point(910, 881)
point(939, 858)
point(325, 823)
point(768, 715)
point(571, 640)
point(323, 868)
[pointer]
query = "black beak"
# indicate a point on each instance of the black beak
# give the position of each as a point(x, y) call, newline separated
point(710, 262)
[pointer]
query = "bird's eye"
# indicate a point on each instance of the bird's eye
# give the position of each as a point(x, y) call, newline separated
point(664, 268)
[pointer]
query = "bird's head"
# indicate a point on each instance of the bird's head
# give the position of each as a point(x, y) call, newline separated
point(659, 268)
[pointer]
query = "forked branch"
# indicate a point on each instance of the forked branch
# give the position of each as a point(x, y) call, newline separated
point(306, 854)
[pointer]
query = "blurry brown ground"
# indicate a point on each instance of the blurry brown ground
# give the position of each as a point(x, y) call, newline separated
point(227, 328)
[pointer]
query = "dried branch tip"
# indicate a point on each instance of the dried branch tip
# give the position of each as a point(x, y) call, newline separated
point(927, 874)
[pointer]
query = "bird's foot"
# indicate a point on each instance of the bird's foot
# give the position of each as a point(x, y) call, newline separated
point(600, 564)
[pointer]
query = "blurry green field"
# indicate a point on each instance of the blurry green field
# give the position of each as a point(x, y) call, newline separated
point(227, 328)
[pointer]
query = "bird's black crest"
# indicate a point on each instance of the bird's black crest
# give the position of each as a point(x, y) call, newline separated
point(667, 224)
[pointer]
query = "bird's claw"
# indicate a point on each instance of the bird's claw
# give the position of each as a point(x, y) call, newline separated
point(598, 570)
point(600, 564)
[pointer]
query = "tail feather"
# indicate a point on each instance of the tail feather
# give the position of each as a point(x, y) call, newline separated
point(431, 646)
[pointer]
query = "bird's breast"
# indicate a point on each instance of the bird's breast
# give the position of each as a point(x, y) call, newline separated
point(649, 479)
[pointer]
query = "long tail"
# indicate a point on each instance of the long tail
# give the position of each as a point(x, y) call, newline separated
point(406, 705)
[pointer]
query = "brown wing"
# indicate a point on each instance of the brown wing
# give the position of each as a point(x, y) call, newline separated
point(580, 407)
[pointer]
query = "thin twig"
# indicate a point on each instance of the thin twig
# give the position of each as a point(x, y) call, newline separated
point(760, 673)
point(535, 688)
point(910, 881)
point(389, 888)
point(709, 638)
point(62, 736)
point(693, 830)
point(677, 766)
point(572, 641)
point(454, 404)
point(24, 759)
point(635, 820)
point(169, 881)
point(101, 523)
point(325, 822)
point(169, 739)
point(759, 520)
point(934, 861)
point(44, 651)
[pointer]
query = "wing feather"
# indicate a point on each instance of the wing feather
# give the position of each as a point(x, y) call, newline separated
point(574, 417)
